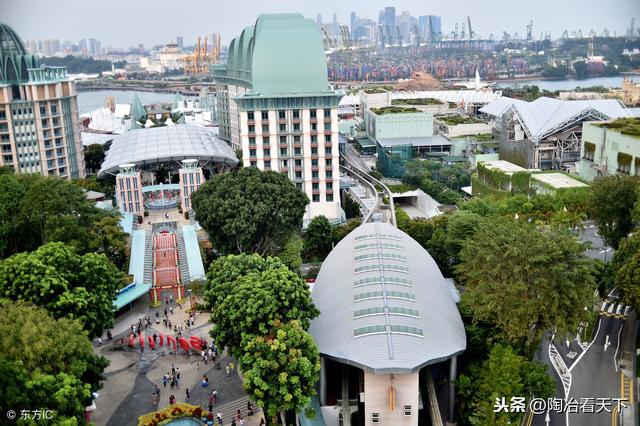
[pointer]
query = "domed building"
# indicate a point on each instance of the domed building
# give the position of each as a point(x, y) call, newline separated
point(38, 114)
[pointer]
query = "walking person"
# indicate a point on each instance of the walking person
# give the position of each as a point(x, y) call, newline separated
point(219, 416)
point(249, 408)
point(164, 380)
point(187, 390)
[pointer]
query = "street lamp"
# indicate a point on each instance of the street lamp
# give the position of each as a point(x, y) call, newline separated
point(190, 300)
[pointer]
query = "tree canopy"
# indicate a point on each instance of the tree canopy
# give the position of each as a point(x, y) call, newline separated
point(317, 238)
point(291, 252)
point(68, 285)
point(626, 270)
point(281, 369)
point(249, 211)
point(46, 362)
point(525, 281)
point(612, 206)
point(250, 293)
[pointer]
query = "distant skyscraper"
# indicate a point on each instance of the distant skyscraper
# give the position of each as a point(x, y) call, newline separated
point(354, 22)
point(390, 18)
point(319, 20)
point(336, 26)
point(82, 44)
point(180, 42)
point(95, 47)
point(434, 27)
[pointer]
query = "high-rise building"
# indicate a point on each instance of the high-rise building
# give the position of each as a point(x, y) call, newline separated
point(82, 45)
point(38, 114)
point(354, 22)
point(95, 47)
point(180, 42)
point(319, 20)
point(276, 105)
point(390, 18)
point(336, 26)
point(434, 29)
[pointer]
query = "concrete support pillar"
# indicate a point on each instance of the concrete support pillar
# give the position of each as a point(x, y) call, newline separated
point(346, 411)
point(323, 382)
point(452, 390)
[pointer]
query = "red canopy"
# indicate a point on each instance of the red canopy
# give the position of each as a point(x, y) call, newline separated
point(195, 341)
point(141, 339)
point(152, 344)
point(132, 340)
point(161, 336)
point(184, 344)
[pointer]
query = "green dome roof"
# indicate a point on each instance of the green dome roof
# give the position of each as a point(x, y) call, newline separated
point(14, 58)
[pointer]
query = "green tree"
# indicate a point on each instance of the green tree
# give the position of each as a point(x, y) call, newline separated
point(341, 231)
point(317, 238)
point(248, 210)
point(281, 369)
point(46, 363)
point(525, 281)
point(611, 206)
point(460, 226)
point(256, 299)
point(627, 280)
point(11, 193)
point(93, 157)
point(581, 69)
point(66, 284)
point(505, 374)
point(291, 252)
point(107, 237)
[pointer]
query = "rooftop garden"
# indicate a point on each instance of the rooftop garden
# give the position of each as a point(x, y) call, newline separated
point(626, 126)
point(417, 101)
point(394, 110)
point(453, 120)
point(378, 89)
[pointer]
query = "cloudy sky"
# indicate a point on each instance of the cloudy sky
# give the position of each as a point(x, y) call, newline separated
point(124, 23)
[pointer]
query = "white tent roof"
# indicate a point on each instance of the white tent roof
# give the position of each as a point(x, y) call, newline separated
point(546, 116)
point(165, 144)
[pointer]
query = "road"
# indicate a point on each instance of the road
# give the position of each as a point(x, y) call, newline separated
point(598, 250)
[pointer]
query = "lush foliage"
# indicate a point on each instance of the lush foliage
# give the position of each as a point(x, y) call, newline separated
point(440, 180)
point(504, 374)
point(248, 294)
point(417, 101)
point(626, 270)
point(35, 210)
point(394, 110)
point(291, 254)
point(317, 239)
point(79, 64)
point(626, 126)
point(556, 72)
point(525, 281)
point(65, 283)
point(280, 369)
point(249, 211)
point(430, 234)
point(46, 362)
point(455, 119)
point(93, 157)
point(341, 231)
point(611, 206)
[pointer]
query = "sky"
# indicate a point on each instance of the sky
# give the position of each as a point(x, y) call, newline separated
point(126, 23)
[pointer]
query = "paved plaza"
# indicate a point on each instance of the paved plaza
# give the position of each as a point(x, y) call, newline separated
point(132, 375)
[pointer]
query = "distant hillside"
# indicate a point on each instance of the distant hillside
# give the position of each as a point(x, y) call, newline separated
point(77, 64)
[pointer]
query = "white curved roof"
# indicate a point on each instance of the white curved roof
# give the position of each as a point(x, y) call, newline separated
point(546, 116)
point(457, 96)
point(167, 143)
point(384, 305)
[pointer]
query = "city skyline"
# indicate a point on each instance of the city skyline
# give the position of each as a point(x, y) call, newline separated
point(124, 30)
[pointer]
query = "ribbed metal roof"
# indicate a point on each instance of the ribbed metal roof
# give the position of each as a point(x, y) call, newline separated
point(384, 305)
point(546, 116)
point(14, 58)
point(164, 144)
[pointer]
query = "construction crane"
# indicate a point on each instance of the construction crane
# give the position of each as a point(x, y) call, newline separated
point(516, 36)
point(565, 34)
point(631, 31)
point(389, 35)
point(455, 32)
point(471, 34)
point(590, 46)
point(506, 36)
point(346, 38)
point(605, 33)
point(463, 33)
point(328, 41)
point(530, 30)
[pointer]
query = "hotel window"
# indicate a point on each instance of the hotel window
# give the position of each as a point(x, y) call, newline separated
point(283, 139)
point(250, 115)
point(267, 164)
point(296, 127)
point(299, 185)
point(43, 110)
point(316, 198)
point(54, 109)
point(266, 153)
point(297, 151)
point(329, 185)
point(296, 114)
point(314, 138)
point(314, 162)
point(265, 128)
point(296, 139)
point(283, 151)
point(314, 126)
point(327, 150)
point(329, 198)
point(298, 163)
point(252, 141)
point(281, 114)
point(314, 151)
point(284, 163)
point(315, 186)
point(254, 163)
point(313, 113)
point(314, 175)
point(252, 129)
point(252, 153)
point(327, 138)
point(327, 113)
point(282, 127)
point(298, 175)
point(327, 162)
point(327, 126)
